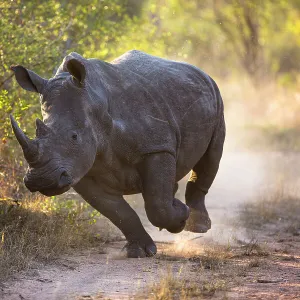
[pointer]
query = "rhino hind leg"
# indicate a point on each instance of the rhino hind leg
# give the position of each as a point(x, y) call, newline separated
point(201, 179)
point(118, 211)
point(198, 220)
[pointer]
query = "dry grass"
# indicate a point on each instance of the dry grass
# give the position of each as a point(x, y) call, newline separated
point(172, 287)
point(275, 206)
point(269, 138)
point(209, 271)
point(253, 248)
point(261, 119)
point(213, 257)
point(206, 263)
point(210, 257)
point(40, 229)
point(254, 263)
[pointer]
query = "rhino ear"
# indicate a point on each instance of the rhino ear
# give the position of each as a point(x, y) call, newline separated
point(76, 69)
point(28, 80)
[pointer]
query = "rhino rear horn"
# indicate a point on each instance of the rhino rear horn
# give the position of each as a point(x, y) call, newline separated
point(28, 80)
point(41, 128)
point(29, 147)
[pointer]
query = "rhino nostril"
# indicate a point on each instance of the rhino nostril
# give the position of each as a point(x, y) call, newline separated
point(64, 179)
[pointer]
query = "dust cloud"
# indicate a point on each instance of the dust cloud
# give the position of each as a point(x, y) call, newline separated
point(243, 176)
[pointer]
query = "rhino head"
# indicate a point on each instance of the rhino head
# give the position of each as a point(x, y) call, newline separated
point(65, 145)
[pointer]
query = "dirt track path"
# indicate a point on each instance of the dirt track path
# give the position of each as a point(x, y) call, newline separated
point(96, 274)
point(92, 275)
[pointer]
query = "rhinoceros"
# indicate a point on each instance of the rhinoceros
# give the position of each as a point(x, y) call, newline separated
point(138, 124)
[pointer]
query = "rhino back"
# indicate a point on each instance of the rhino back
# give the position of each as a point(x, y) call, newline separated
point(171, 83)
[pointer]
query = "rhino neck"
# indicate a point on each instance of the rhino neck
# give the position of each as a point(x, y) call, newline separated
point(101, 91)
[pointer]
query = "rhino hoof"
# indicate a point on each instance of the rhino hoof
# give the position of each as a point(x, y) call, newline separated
point(138, 250)
point(178, 228)
point(198, 222)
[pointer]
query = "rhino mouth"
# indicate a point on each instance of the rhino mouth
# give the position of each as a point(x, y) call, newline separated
point(55, 183)
point(55, 191)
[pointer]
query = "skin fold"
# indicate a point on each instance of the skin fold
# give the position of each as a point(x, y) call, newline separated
point(138, 124)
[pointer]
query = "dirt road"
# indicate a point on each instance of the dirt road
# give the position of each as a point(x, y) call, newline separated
point(240, 263)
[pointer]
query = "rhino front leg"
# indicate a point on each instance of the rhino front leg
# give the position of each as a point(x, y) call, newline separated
point(119, 212)
point(158, 174)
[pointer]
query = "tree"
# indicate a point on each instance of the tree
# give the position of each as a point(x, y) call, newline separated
point(240, 22)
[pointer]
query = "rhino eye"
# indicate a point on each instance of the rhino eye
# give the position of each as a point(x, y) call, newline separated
point(74, 137)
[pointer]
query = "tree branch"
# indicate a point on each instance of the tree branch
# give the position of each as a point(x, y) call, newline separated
point(38, 55)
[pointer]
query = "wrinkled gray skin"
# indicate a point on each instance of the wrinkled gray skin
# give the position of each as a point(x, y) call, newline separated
point(136, 125)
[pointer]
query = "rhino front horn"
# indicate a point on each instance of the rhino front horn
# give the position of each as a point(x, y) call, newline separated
point(29, 146)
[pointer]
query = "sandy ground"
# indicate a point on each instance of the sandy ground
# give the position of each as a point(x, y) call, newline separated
point(106, 273)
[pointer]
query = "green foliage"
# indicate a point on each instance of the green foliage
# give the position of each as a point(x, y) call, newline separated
point(229, 37)
point(223, 37)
